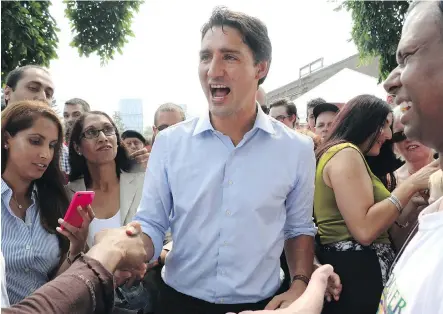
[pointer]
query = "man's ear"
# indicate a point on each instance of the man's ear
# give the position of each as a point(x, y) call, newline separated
point(262, 69)
point(7, 93)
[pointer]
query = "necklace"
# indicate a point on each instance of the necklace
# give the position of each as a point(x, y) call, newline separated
point(15, 200)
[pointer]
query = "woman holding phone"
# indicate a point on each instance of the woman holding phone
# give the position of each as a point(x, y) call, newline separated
point(100, 163)
point(34, 200)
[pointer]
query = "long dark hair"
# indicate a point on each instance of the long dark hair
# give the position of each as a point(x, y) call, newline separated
point(362, 118)
point(79, 167)
point(51, 197)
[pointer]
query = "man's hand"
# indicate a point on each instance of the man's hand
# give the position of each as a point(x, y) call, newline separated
point(141, 156)
point(120, 249)
point(311, 302)
point(285, 299)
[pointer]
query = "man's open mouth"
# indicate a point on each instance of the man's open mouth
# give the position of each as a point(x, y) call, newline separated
point(219, 91)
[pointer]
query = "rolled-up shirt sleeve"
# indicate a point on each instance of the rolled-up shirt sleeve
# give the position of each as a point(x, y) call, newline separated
point(300, 200)
point(156, 202)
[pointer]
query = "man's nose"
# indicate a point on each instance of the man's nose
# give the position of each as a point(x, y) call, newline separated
point(393, 83)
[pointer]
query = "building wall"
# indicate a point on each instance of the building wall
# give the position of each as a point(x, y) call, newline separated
point(300, 86)
point(131, 112)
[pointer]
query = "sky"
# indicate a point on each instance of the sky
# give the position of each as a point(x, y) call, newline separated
point(160, 63)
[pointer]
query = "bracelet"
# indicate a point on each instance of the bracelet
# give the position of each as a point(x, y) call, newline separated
point(394, 200)
point(302, 278)
point(71, 261)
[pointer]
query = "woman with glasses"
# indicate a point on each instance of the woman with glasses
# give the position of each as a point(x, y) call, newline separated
point(100, 163)
point(352, 206)
point(416, 156)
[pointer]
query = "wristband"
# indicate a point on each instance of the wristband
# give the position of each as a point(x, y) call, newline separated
point(71, 261)
point(300, 277)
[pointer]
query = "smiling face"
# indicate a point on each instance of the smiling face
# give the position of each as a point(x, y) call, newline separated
point(417, 82)
point(228, 74)
point(99, 141)
point(412, 151)
point(385, 134)
point(30, 151)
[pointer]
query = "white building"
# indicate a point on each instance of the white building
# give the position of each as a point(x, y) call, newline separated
point(131, 113)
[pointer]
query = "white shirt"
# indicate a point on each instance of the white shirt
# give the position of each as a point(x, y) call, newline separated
point(416, 284)
point(5, 299)
point(98, 225)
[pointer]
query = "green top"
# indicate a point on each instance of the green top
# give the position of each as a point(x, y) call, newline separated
point(331, 225)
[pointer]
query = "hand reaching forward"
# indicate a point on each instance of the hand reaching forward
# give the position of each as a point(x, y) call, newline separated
point(311, 301)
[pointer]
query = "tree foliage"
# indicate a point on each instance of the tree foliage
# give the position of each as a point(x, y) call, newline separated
point(118, 122)
point(101, 26)
point(376, 30)
point(29, 34)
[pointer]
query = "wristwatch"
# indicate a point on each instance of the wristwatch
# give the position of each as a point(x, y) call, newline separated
point(73, 259)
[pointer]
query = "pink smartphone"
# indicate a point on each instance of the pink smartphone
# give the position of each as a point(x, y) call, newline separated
point(82, 199)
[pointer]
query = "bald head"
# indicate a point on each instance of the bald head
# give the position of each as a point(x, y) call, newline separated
point(261, 96)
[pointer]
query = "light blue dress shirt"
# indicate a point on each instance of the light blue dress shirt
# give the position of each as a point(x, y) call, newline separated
point(30, 252)
point(229, 208)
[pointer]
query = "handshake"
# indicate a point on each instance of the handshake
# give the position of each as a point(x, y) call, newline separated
point(121, 251)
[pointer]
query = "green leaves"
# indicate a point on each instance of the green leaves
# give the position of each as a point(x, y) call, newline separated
point(102, 27)
point(29, 34)
point(376, 30)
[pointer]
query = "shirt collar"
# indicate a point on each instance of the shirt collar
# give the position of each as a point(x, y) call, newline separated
point(262, 121)
point(6, 188)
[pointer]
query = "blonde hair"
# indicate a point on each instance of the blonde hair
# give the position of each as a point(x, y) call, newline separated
point(315, 138)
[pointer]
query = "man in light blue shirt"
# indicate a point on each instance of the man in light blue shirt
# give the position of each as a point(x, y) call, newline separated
point(234, 186)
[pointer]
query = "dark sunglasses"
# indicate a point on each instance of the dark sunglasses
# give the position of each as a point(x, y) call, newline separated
point(398, 137)
point(162, 127)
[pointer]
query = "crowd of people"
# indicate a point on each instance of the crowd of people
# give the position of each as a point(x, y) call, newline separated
point(241, 209)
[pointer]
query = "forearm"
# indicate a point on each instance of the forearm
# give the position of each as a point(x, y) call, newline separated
point(300, 255)
point(383, 214)
point(84, 284)
point(148, 245)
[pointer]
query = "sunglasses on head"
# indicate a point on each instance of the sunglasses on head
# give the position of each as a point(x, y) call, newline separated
point(398, 137)
point(162, 127)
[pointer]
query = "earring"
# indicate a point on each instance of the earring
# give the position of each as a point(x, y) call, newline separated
point(6, 146)
point(79, 153)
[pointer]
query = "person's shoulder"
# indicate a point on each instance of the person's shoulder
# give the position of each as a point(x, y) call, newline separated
point(181, 128)
point(287, 134)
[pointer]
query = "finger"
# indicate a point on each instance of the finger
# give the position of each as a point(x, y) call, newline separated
point(313, 297)
point(90, 212)
point(274, 303)
point(328, 296)
point(67, 234)
point(67, 226)
point(84, 214)
point(139, 153)
point(133, 228)
point(121, 276)
point(142, 159)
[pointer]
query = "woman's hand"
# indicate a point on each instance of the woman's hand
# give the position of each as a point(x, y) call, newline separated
point(420, 179)
point(77, 236)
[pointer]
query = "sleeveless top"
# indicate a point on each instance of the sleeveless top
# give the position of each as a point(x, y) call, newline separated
point(331, 225)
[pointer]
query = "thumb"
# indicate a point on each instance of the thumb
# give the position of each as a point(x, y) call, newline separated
point(133, 228)
point(273, 304)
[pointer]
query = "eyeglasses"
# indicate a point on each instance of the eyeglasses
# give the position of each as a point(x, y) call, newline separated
point(398, 137)
point(162, 127)
point(281, 118)
point(91, 133)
